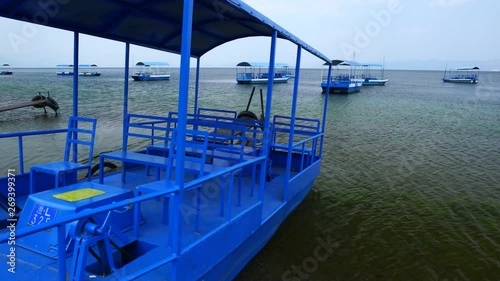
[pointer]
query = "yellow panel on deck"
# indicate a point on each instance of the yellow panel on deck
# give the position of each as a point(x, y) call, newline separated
point(79, 194)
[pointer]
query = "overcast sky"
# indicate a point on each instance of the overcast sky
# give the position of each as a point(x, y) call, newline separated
point(423, 34)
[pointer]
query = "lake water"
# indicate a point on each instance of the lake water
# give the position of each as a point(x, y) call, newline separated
point(410, 181)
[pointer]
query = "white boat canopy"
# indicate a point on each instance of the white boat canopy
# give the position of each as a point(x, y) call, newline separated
point(344, 62)
point(151, 63)
point(261, 64)
point(468, 68)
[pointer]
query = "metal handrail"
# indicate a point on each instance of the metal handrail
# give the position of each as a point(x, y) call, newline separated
point(20, 136)
point(126, 203)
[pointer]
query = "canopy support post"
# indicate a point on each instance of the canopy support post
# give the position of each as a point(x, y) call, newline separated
point(292, 122)
point(75, 86)
point(125, 94)
point(187, 24)
point(196, 87)
point(325, 108)
point(267, 137)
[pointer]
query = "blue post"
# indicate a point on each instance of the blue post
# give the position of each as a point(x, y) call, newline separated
point(125, 95)
point(21, 155)
point(292, 122)
point(187, 23)
point(197, 82)
point(75, 87)
point(267, 121)
point(75, 73)
point(61, 251)
point(323, 123)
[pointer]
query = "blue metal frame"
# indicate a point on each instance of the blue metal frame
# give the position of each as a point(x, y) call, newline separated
point(20, 136)
point(125, 95)
point(267, 122)
point(292, 122)
point(75, 85)
point(196, 86)
point(187, 22)
point(325, 107)
point(75, 73)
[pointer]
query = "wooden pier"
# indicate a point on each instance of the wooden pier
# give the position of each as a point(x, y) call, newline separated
point(20, 105)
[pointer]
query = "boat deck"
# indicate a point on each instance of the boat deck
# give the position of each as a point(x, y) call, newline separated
point(153, 238)
point(211, 215)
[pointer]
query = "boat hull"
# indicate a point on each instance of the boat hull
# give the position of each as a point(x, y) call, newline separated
point(229, 268)
point(89, 74)
point(150, 77)
point(342, 87)
point(374, 82)
point(64, 73)
point(262, 80)
point(460, 80)
point(6, 72)
point(234, 245)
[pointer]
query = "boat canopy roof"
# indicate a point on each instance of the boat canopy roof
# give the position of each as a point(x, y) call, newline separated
point(344, 62)
point(151, 63)
point(154, 24)
point(5, 64)
point(64, 65)
point(468, 68)
point(372, 64)
point(261, 64)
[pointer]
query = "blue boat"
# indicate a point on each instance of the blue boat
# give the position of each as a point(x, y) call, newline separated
point(370, 79)
point(5, 70)
point(258, 72)
point(205, 193)
point(286, 70)
point(151, 71)
point(346, 78)
point(88, 70)
point(463, 75)
point(65, 70)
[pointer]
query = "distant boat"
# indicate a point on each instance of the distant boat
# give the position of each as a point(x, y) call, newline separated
point(151, 71)
point(65, 69)
point(5, 69)
point(285, 70)
point(467, 75)
point(258, 72)
point(345, 79)
point(88, 70)
point(373, 80)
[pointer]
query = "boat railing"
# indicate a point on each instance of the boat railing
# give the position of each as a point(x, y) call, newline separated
point(245, 75)
point(302, 156)
point(465, 76)
point(21, 135)
point(339, 78)
point(149, 127)
point(223, 130)
point(308, 149)
point(62, 222)
point(220, 112)
point(304, 142)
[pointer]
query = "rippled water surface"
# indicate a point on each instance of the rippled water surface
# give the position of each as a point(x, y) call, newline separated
point(409, 186)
